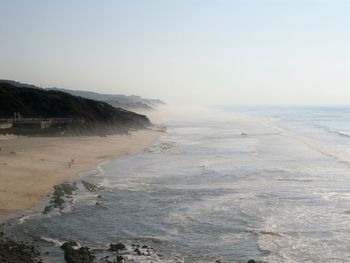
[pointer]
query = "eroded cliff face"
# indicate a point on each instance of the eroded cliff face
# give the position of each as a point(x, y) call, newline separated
point(85, 116)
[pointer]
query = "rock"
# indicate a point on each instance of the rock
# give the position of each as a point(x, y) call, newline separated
point(13, 252)
point(81, 255)
point(120, 259)
point(60, 191)
point(144, 247)
point(85, 255)
point(105, 260)
point(69, 243)
point(64, 188)
point(116, 247)
point(57, 201)
point(138, 251)
point(251, 261)
point(48, 209)
point(89, 186)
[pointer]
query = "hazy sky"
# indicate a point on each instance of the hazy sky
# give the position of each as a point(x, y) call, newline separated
point(183, 51)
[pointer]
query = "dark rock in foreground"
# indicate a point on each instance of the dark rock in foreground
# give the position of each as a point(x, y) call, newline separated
point(116, 247)
point(18, 252)
point(74, 255)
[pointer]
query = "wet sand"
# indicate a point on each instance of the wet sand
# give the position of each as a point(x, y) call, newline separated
point(31, 166)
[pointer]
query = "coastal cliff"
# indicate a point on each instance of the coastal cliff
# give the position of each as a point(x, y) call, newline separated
point(130, 102)
point(81, 116)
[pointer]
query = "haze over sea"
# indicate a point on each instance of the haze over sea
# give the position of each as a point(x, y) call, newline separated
point(269, 183)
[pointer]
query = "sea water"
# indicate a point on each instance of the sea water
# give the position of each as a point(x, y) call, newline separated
point(271, 184)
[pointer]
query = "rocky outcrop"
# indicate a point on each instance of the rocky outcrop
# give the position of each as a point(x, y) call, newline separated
point(116, 247)
point(72, 254)
point(89, 186)
point(58, 196)
point(12, 251)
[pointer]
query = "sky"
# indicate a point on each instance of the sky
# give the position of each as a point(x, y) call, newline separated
point(202, 52)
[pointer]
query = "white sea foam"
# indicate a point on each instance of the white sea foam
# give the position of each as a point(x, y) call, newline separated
point(340, 152)
point(25, 218)
point(161, 147)
point(100, 169)
point(56, 242)
point(334, 195)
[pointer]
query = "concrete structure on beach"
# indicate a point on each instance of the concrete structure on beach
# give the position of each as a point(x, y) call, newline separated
point(4, 124)
point(18, 123)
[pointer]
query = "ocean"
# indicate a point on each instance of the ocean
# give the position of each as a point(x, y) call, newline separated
point(264, 183)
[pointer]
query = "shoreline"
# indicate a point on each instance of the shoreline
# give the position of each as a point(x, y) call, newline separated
point(31, 166)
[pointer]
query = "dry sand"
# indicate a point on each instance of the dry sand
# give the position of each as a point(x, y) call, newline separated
point(39, 163)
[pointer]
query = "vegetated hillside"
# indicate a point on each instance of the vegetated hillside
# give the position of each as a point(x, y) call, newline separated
point(126, 102)
point(89, 116)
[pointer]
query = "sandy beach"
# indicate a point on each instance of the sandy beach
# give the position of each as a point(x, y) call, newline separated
point(31, 166)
